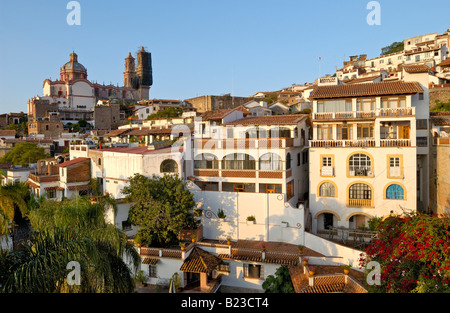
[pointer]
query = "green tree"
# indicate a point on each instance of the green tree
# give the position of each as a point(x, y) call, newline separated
point(280, 283)
point(392, 48)
point(162, 208)
point(441, 106)
point(13, 197)
point(70, 230)
point(167, 112)
point(24, 153)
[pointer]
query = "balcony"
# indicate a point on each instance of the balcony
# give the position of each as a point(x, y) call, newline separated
point(359, 203)
point(355, 115)
point(395, 143)
point(44, 178)
point(248, 143)
point(363, 143)
point(242, 173)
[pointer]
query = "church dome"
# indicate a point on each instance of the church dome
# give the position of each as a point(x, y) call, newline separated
point(73, 69)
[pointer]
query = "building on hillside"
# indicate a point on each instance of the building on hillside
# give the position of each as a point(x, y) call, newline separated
point(371, 130)
point(107, 115)
point(211, 103)
point(251, 167)
point(7, 119)
point(75, 97)
point(59, 177)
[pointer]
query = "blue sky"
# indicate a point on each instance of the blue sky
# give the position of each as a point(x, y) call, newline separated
point(199, 47)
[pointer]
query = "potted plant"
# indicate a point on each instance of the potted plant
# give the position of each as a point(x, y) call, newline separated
point(221, 214)
point(305, 261)
point(311, 270)
point(251, 219)
point(182, 246)
point(198, 212)
point(300, 249)
point(193, 237)
point(229, 241)
point(347, 269)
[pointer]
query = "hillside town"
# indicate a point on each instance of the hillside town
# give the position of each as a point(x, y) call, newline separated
point(292, 178)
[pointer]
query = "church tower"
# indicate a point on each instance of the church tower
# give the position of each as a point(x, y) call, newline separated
point(129, 76)
point(144, 73)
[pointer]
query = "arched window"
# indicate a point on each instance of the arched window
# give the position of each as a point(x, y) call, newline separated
point(360, 195)
point(270, 162)
point(359, 165)
point(395, 191)
point(169, 166)
point(288, 161)
point(206, 161)
point(238, 161)
point(360, 191)
point(327, 189)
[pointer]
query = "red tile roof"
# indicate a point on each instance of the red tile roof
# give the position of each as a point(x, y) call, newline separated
point(200, 261)
point(366, 90)
point(416, 68)
point(445, 63)
point(216, 114)
point(292, 119)
point(71, 162)
point(7, 133)
point(118, 132)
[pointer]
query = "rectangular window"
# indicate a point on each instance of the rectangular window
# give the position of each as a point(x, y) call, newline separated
point(344, 132)
point(325, 132)
point(298, 159)
point(422, 124)
point(270, 188)
point(253, 271)
point(152, 271)
point(365, 131)
point(238, 187)
point(394, 167)
point(290, 189)
point(421, 97)
point(327, 161)
point(51, 194)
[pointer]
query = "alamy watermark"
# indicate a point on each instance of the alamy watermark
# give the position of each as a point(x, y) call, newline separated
point(74, 16)
point(374, 16)
point(74, 276)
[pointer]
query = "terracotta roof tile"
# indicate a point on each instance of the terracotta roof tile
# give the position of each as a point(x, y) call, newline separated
point(445, 63)
point(216, 114)
point(200, 261)
point(71, 162)
point(366, 90)
point(118, 132)
point(416, 68)
point(292, 119)
point(7, 132)
point(150, 261)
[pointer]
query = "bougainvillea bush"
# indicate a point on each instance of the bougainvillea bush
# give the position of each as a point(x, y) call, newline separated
point(413, 252)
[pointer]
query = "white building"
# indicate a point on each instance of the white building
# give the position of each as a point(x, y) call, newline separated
point(251, 167)
point(366, 153)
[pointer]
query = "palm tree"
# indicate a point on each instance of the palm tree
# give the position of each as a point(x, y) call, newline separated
point(71, 230)
point(12, 196)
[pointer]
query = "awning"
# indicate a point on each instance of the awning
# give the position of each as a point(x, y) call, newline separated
point(150, 261)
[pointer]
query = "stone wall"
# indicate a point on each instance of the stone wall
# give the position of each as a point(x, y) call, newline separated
point(441, 94)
